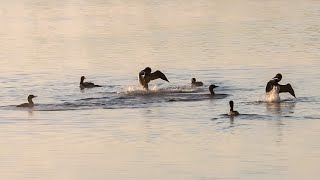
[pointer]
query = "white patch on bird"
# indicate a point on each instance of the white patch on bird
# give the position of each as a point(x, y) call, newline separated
point(273, 95)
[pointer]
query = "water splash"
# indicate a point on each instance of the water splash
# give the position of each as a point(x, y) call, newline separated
point(128, 97)
point(273, 95)
point(137, 90)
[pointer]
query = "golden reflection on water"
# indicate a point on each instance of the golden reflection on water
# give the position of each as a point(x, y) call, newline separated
point(147, 147)
point(280, 108)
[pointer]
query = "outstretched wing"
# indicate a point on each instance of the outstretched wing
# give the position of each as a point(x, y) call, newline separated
point(287, 88)
point(156, 75)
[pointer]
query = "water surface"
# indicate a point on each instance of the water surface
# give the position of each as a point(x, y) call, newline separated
point(120, 131)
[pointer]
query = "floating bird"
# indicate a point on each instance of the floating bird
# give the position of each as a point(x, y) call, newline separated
point(211, 87)
point(274, 82)
point(30, 103)
point(145, 76)
point(232, 112)
point(195, 83)
point(86, 84)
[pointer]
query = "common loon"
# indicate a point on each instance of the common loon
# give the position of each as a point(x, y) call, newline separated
point(145, 76)
point(232, 112)
point(195, 83)
point(274, 82)
point(30, 102)
point(211, 87)
point(86, 84)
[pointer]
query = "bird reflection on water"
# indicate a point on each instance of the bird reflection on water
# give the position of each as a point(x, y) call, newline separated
point(280, 108)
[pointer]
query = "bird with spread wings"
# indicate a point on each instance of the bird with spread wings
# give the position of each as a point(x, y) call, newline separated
point(145, 76)
point(282, 88)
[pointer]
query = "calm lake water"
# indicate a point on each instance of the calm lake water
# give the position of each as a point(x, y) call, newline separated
point(120, 131)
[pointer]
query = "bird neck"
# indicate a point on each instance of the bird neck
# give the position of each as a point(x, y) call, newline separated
point(211, 91)
point(231, 108)
point(30, 101)
point(81, 81)
point(276, 80)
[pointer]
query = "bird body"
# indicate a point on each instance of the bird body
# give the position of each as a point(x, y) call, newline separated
point(86, 84)
point(281, 88)
point(195, 83)
point(30, 103)
point(232, 112)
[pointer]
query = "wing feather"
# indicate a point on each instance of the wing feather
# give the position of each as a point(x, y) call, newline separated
point(155, 75)
point(287, 88)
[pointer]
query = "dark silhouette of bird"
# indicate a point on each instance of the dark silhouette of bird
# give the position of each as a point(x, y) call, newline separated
point(30, 103)
point(145, 76)
point(274, 82)
point(211, 87)
point(86, 84)
point(232, 112)
point(195, 83)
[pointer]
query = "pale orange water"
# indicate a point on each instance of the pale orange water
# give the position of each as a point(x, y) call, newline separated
point(173, 132)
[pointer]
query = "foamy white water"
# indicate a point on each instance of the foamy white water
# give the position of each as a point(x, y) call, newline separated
point(120, 131)
point(273, 96)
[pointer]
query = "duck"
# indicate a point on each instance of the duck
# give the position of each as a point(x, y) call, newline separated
point(30, 103)
point(87, 84)
point(211, 87)
point(274, 83)
point(232, 112)
point(145, 76)
point(195, 83)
